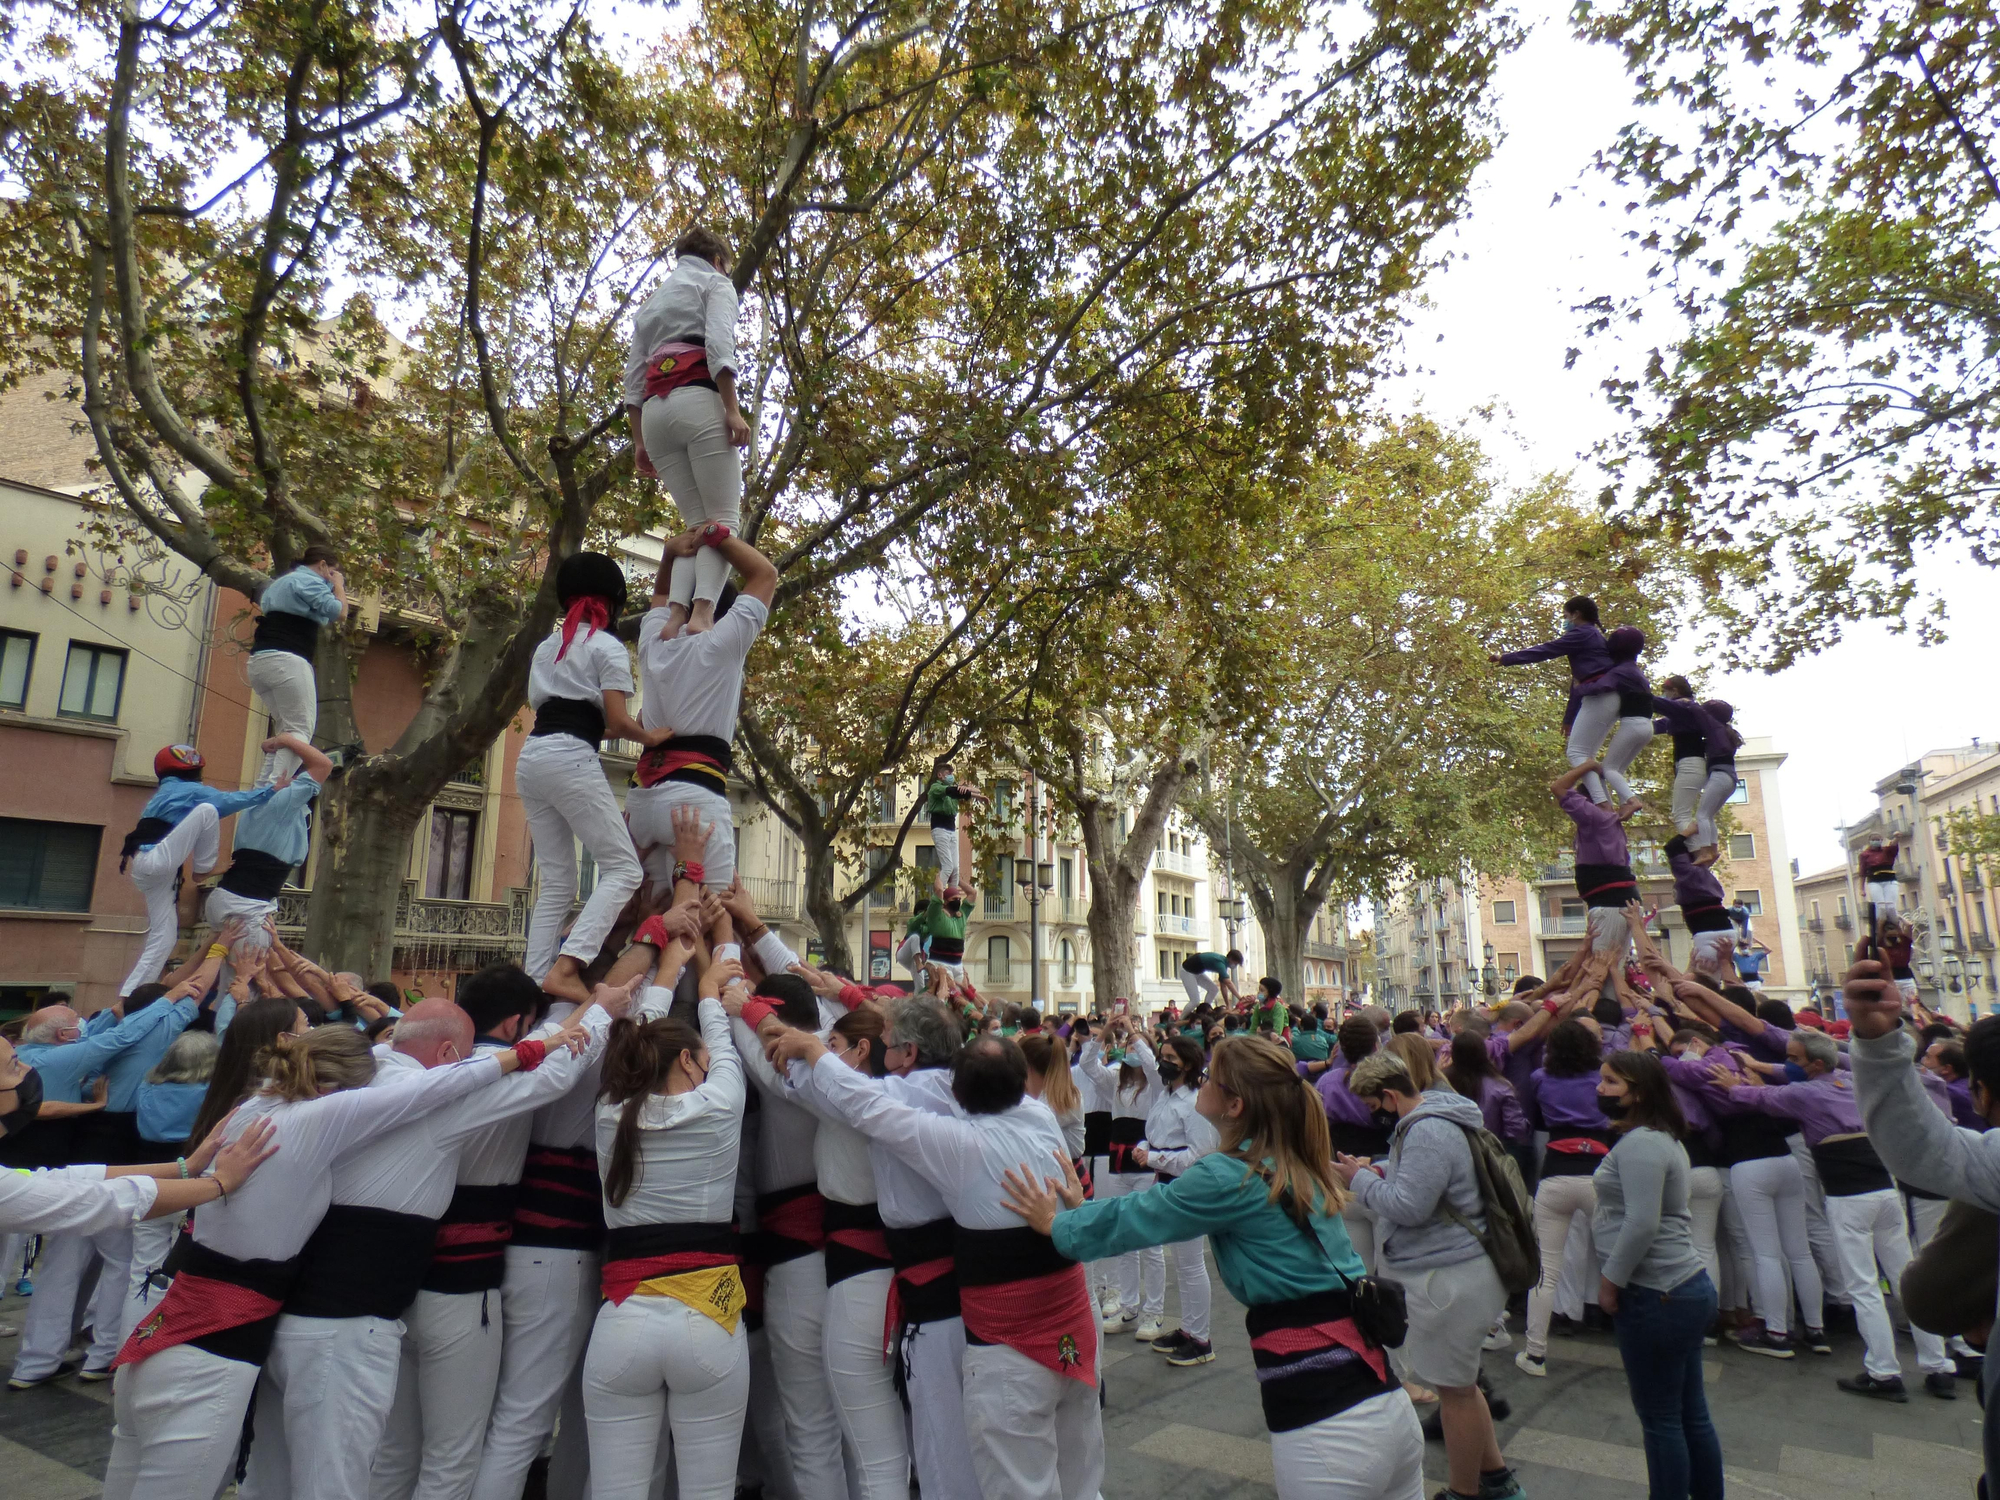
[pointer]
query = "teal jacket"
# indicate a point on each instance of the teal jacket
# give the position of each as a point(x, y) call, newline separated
point(1262, 1255)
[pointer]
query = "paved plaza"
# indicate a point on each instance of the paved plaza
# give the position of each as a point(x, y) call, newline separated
point(1787, 1432)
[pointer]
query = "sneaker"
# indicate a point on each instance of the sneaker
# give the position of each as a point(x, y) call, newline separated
point(1536, 1365)
point(1497, 1337)
point(1940, 1385)
point(1817, 1341)
point(9, 1331)
point(1148, 1330)
point(17, 1383)
point(1192, 1351)
point(24, 1288)
point(1119, 1322)
point(1865, 1384)
point(95, 1376)
point(1499, 1484)
point(1770, 1345)
point(1107, 1305)
point(1166, 1343)
point(1967, 1367)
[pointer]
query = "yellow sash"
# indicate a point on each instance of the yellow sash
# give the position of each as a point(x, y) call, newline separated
point(715, 1292)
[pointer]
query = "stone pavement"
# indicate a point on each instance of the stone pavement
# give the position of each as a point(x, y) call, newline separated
point(1787, 1432)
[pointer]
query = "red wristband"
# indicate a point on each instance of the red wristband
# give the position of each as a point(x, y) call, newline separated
point(852, 995)
point(1552, 1006)
point(653, 933)
point(754, 1012)
point(690, 869)
point(530, 1053)
point(714, 534)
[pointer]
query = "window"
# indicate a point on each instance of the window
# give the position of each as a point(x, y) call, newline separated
point(1066, 962)
point(1843, 904)
point(1742, 846)
point(1574, 915)
point(1065, 880)
point(883, 895)
point(1742, 792)
point(1751, 901)
point(999, 965)
point(1815, 911)
point(926, 857)
point(1161, 898)
point(448, 871)
point(1510, 967)
point(885, 801)
point(93, 678)
point(17, 663)
point(47, 866)
point(1166, 963)
point(1503, 913)
point(1000, 886)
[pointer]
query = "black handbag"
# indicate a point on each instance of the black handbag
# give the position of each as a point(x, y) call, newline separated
point(1380, 1309)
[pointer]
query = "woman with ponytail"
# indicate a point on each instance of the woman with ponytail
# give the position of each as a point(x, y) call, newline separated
point(1050, 1080)
point(1176, 1138)
point(577, 687)
point(1269, 1204)
point(669, 1338)
point(194, 1359)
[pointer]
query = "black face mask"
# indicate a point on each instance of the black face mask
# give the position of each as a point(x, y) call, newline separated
point(1614, 1109)
point(28, 1094)
point(1387, 1119)
point(952, 907)
point(1170, 1073)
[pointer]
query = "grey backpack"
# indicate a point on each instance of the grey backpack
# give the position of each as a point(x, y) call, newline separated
point(1509, 1240)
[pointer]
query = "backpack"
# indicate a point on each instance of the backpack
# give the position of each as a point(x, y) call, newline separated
point(1509, 1241)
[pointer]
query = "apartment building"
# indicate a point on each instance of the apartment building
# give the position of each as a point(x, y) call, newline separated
point(1828, 901)
point(1430, 947)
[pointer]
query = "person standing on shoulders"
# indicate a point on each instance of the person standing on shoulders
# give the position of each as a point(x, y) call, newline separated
point(291, 610)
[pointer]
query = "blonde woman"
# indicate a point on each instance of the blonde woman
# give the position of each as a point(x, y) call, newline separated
point(1270, 1207)
point(1050, 1080)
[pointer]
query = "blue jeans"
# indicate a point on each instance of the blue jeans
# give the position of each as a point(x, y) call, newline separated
point(1659, 1339)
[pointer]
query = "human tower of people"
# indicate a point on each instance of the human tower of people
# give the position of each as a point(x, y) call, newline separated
point(688, 1214)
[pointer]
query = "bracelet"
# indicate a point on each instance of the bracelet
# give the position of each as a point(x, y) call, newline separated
point(218, 950)
point(182, 1163)
point(530, 1052)
point(1552, 1006)
point(690, 869)
point(221, 1192)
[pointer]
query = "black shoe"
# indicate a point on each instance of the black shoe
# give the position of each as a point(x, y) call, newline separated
point(1940, 1385)
point(1968, 1366)
point(1167, 1343)
point(1816, 1340)
point(1865, 1384)
point(1499, 1484)
point(1192, 1351)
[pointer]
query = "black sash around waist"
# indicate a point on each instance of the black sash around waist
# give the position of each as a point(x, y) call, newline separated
point(937, 1299)
point(255, 875)
point(859, 1221)
point(1605, 885)
point(991, 1257)
point(363, 1263)
point(281, 630)
point(561, 1201)
point(1754, 1137)
point(1706, 918)
point(773, 1246)
point(573, 716)
point(1637, 705)
point(1097, 1132)
point(148, 832)
point(948, 948)
point(1310, 1378)
point(248, 1343)
point(644, 1241)
point(112, 1137)
point(1126, 1132)
point(470, 1253)
point(1848, 1167)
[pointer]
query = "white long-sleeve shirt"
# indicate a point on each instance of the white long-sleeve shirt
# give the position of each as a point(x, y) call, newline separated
point(787, 1132)
point(71, 1200)
point(1176, 1135)
point(903, 1195)
point(964, 1157)
point(696, 303)
point(273, 1214)
point(1124, 1104)
point(569, 1120)
point(496, 1152)
point(688, 1143)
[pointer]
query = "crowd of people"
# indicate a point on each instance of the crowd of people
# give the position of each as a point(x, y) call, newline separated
point(672, 1210)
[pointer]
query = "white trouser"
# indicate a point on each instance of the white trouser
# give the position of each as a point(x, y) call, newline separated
point(151, 1240)
point(1576, 1287)
point(1882, 894)
point(1868, 1232)
point(1200, 987)
point(290, 694)
point(177, 1421)
point(794, 1317)
point(1373, 1451)
point(223, 905)
point(945, 841)
point(1630, 736)
point(1732, 1248)
point(652, 1357)
point(1716, 788)
point(51, 1314)
point(910, 953)
point(649, 812)
point(935, 1356)
point(1142, 1274)
point(1594, 717)
point(1558, 1200)
point(1819, 1234)
point(1191, 1278)
point(444, 1391)
point(565, 797)
point(322, 1404)
point(688, 443)
point(547, 1305)
point(1035, 1435)
point(863, 1384)
point(1705, 1189)
point(1690, 776)
point(1770, 1195)
point(767, 1452)
point(154, 871)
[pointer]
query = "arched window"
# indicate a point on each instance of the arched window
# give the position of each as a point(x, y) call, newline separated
point(999, 965)
point(1066, 963)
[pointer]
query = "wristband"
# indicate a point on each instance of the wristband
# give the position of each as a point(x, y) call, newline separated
point(218, 950)
point(530, 1053)
point(182, 1163)
point(690, 869)
point(714, 534)
point(1552, 1006)
point(852, 995)
point(755, 1010)
point(653, 933)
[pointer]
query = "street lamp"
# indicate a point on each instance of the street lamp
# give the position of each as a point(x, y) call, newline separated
point(1232, 913)
point(1037, 879)
point(1489, 977)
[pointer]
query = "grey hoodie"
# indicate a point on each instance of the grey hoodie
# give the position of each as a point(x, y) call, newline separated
point(1430, 1164)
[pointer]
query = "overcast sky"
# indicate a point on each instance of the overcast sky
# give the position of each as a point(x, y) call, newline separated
point(1499, 321)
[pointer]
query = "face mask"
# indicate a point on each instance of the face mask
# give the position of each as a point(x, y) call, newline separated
point(28, 1097)
point(952, 907)
point(1614, 1108)
point(1387, 1119)
point(1169, 1073)
point(1794, 1073)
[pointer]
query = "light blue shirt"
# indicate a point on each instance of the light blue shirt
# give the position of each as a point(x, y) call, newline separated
point(280, 827)
point(301, 592)
point(67, 1068)
point(167, 1110)
point(157, 1027)
point(177, 797)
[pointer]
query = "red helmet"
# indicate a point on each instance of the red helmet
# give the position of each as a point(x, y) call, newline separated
point(178, 760)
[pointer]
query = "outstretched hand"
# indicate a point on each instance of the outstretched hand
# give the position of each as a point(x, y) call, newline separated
point(1873, 998)
point(1039, 1200)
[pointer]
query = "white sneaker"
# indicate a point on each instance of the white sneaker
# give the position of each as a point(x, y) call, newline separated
point(1107, 1304)
point(1497, 1337)
point(1528, 1364)
point(1149, 1330)
point(1118, 1322)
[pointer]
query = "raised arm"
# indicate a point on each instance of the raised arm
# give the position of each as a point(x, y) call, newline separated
point(943, 1148)
point(760, 578)
point(1567, 782)
point(313, 763)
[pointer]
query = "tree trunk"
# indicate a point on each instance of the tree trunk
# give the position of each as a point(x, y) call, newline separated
point(829, 916)
point(1285, 914)
point(368, 817)
point(1113, 948)
point(1118, 870)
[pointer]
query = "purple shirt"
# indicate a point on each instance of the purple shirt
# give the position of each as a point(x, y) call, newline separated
point(1583, 644)
point(1767, 1045)
point(1342, 1105)
point(1502, 1110)
point(1685, 716)
point(1519, 1064)
point(1600, 837)
point(1963, 1115)
point(1823, 1106)
point(1693, 885)
point(1568, 1102)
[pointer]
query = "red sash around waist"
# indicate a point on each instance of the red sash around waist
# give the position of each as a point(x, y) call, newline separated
point(790, 1222)
point(674, 365)
point(193, 1308)
point(669, 762)
point(621, 1277)
point(1015, 1288)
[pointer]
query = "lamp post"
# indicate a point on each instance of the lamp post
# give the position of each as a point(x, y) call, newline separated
point(1232, 913)
point(1037, 877)
point(1489, 977)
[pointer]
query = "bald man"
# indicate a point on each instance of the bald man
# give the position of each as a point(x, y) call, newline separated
point(324, 1396)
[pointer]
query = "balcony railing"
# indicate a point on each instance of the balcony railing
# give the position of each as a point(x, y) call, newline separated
point(1816, 924)
point(1169, 925)
point(1981, 943)
point(434, 933)
point(1334, 951)
point(1181, 864)
point(1844, 922)
point(774, 899)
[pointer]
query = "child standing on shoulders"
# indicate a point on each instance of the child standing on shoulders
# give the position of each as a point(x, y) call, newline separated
point(1593, 703)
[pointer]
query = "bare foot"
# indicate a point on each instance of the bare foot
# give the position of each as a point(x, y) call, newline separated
point(1636, 805)
point(702, 617)
point(1418, 1394)
point(565, 982)
point(1705, 856)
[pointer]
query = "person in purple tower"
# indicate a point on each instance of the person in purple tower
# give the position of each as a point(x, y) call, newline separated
point(1593, 705)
